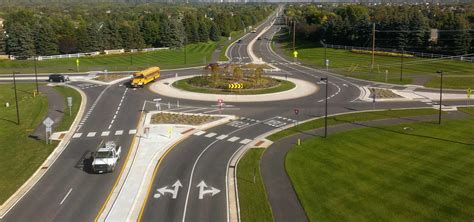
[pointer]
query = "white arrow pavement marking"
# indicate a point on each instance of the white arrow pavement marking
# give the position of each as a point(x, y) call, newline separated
point(202, 185)
point(174, 191)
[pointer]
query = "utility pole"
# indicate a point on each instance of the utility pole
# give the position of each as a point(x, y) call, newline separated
point(401, 65)
point(294, 35)
point(373, 46)
point(16, 99)
point(326, 108)
point(185, 52)
point(36, 76)
point(440, 94)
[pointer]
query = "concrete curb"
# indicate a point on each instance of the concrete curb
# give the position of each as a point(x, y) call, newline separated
point(30, 183)
point(140, 199)
point(303, 88)
point(233, 201)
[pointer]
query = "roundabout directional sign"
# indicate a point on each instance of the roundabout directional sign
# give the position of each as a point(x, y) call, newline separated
point(236, 86)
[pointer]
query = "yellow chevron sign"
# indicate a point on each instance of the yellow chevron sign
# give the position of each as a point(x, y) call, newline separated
point(236, 86)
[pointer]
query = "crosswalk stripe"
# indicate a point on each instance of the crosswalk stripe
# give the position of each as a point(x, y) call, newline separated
point(200, 133)
point(210, 135)
point(118, 132)
point(77, 135)
point(245, 141)
point(105, 133)
point(91, 134)
point(132, 131)
point(233, 139)
point(221, 137)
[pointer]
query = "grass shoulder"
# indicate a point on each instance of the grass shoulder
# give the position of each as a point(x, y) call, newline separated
point(387, 173)
point(20, 155)
point(253, 198)
point(349, 118)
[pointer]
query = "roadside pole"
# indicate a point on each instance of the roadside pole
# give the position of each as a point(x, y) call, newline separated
point(469, 92)
point(326, 108)
point(16, 99)
point(36, 76)
point(440, 95)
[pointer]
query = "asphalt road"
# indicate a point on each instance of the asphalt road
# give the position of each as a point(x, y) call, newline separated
point(69, 192)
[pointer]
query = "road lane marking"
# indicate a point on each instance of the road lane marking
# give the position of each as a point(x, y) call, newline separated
point(119, 132)
point(221, 137)
point(199, 133)
point(105, 133)
point(132, 131)
point(69, 192)
point(91, 134)
point(210, 135)
point(77, 135)
point(245, 141)
point(233, 139)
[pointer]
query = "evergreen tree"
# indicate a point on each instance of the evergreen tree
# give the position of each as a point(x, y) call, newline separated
point(111, 38)
point(20, 40)
point(214, 32)
point(46, 41)
point(151, 33)
point(203, 32)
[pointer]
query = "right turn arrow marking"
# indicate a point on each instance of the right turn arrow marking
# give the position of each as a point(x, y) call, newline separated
point(202, 190)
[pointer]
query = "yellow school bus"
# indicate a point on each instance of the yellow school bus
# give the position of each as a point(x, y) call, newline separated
point(140, 79)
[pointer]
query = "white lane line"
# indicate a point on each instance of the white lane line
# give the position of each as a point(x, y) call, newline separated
point(114, 117)
point(233, 139)
point(105, 133)
point(245, 141)
point(119, 132)
point(132, 131)
point(77, 135)
point(221, 137)
point(199, 133)
point(91, 134)
point(210, 135)
point(69, 192)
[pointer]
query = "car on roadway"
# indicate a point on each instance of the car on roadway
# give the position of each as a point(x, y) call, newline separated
point(239, 41)
point(106, 157)
point(58, 78)
point(259, 38)
point(253, 31)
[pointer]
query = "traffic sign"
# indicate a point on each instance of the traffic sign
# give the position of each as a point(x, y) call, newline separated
point(295, 54)
point(297, 111)
point(69, 101)
point(48, 122)
point(220, 101)
point(236, 85)
point(327, 62)
point(469, 92)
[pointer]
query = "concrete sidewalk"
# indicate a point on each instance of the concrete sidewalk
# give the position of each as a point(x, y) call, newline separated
point(152, 143)
point(56, 107)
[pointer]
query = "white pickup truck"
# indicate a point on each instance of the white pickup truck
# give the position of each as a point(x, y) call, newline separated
point(106, 157)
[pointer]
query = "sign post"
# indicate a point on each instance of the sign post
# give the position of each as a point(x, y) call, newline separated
point(48, 122)
point(327, 64)
point(69, 104)
point(469, 92)
point(297, 111)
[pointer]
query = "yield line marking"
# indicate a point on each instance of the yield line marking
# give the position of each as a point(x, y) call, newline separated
point(210, 135)
point(233, 139)
point(69, 192)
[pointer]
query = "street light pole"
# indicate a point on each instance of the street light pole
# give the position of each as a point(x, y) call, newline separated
point(440, 95)
point(185, 52)
point(36, 76)
point(326, 108)
point(16, 99)
point(401, 65)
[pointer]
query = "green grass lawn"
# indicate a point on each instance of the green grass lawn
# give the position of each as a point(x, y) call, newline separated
point(468, 110)
point(76, 103)
point(424, 173)
point(253, 199)
point(359, 66)
point(283, 86)
point(197, 55)
point(20, 156)
point(351, 117)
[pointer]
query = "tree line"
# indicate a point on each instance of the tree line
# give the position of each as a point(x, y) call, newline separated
point(73, 28)
point(401, 27)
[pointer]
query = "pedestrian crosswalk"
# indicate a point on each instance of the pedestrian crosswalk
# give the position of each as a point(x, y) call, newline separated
point(276, 122)
point(103, 134)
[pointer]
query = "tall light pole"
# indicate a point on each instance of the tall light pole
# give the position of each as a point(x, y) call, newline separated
point(440, 94)
point(401, 64)
point(36, 75)
point(185, 52)
point(326, 108)
point(294, 35)
point(16, 99)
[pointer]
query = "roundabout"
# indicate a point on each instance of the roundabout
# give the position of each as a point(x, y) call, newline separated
point(301, 88)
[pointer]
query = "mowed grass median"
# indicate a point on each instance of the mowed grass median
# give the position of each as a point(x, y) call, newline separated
point(197, 55)
point(408, 172)
point(20, 156)
point(458, 75)
point(253, 198)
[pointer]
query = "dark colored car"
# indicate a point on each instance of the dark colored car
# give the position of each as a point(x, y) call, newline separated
point(259, 38)
point(239, 41)
point(58, 78)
